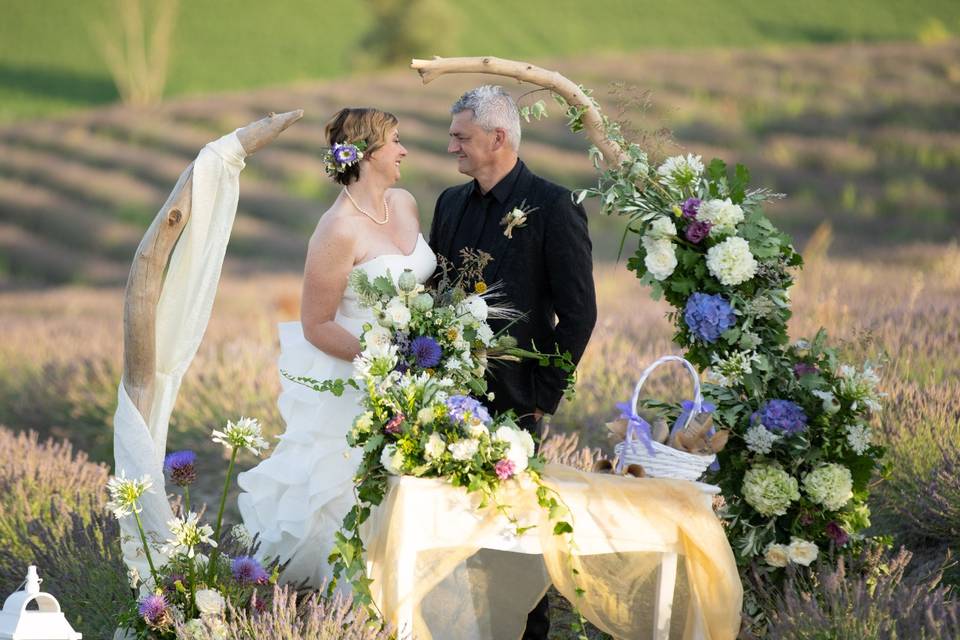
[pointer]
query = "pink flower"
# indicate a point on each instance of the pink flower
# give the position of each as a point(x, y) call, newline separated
point(395, 423)
point(505, 469)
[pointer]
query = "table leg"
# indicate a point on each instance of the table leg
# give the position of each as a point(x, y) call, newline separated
point(663, 603)
point(405, 583)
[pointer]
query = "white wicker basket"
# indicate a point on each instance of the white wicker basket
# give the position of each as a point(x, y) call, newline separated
point(666, 462)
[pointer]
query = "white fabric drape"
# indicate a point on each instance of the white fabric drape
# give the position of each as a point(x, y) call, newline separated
point(139, 442)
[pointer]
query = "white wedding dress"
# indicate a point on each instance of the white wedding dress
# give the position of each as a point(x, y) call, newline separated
point(296, 499)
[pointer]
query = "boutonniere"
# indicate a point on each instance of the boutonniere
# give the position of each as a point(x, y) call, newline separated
point(515, 219)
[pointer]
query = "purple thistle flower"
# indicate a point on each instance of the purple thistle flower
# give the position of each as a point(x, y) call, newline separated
point(180, 466)
point(781, 415)
point(247, 570)
point(708, 316)
point(344, 154)
point(690, 208)
point(426, 351)
point(836, 533)
point(153, 608)
point(805, 369)
point(697, 230)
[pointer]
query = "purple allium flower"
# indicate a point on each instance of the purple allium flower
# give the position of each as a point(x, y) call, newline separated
point(395, 425)
point(247, 570)
point(690, 208)
point(344, 154)
point(805, 369)
point(505, 469)
point(153, 608)
point(707, 316)
point(180, 466)
point(781, 415)
point(462, 407)
point(426, 351)
point(836, 533)
point(697, 230)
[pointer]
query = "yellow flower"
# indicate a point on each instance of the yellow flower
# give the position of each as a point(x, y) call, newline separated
point(480, 287)
point(677, 211)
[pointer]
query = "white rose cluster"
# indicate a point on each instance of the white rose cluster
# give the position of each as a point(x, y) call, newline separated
point(830, 485)
point(799, 551)
point(661, 258)
point(464, 449)
point(723, 215)
point(520, 446)
point(731, 262)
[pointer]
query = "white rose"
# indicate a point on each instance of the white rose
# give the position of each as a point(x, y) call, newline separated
point(392, 459)
point(398, 313)
point(661, 259)
point(722, 214)
point(378, 340)
point(435, 446)
point(464, 449)
point(210, 602)
point(802, 551)
point(662, 228)
point(777, 555)
point(731, 261)
point(476, 307)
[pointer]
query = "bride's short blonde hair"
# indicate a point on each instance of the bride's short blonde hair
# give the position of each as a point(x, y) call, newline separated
point(353, 125)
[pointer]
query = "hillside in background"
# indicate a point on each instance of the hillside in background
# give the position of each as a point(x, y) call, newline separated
point(865, 136)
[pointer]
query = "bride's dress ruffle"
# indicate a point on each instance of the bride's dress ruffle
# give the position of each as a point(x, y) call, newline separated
point(296, 499)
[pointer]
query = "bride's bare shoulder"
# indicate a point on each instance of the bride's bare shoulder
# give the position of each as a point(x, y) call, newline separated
point(337, 226)
point(403, 202)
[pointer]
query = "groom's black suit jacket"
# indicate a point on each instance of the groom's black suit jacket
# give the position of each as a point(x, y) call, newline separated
point(546, 271)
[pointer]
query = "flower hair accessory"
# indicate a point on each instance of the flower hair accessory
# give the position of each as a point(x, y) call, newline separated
point(343, 155)
point(515, 219)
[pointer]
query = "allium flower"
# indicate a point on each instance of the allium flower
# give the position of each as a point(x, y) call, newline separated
point(210, 602)
point(690, 208)
point(830, 485)
point(859, 437)
point(802, 552)
point(395, 425)
point(781, 416)
point(723, 215)
point(759, 440)
point(155, 610)
point(860, 386)
point(697, 230)
point(425, 351)
point(730, 370)
point(731, 262)
point(777, 555)
point(769, 489)
point(505, 469)
point(181, 467)
point(680, 171)
point(125, 494)
point(187, 534)
point(464, 449)
point(247, 570)
point(245, 433)
point(836, 533)
point(707, 316)
point(435, 446)
point(464, 409)
point(661, 258)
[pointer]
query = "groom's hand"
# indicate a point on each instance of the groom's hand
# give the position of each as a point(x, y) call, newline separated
point(537, 414)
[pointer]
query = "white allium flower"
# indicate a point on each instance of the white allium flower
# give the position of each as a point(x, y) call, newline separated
point(187, 534)
point(802, 551)
point(476, 307)
point(397, 313)
point(722, 214)
point(731, 262)
point(830, 485)
point(125, 494)
point(392, 460)
point(661, 258)
point(769, 489)
point(680, 171)
point(464, 449)
point(210, 602)
point(245, 433)
point(777, 555)
point(435, 446)
point(242, 535)
point(377, 341)
point(729, 371)
point(859, 437)
point(860, 386)
point(662, 228)
point(759, 439)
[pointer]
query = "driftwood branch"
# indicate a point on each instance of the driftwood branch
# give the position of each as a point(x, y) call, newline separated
point(146, 278)
point(593, 122)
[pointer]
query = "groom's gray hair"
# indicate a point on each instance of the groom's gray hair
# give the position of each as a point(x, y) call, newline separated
point(493, 108)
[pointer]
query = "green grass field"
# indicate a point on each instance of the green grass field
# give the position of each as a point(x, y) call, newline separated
point(49, 62)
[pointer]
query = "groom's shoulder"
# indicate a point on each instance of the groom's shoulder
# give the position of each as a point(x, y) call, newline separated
point(547, 191)
point(452, 193)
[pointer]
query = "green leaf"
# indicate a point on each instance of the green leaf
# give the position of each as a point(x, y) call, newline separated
point(561, 528)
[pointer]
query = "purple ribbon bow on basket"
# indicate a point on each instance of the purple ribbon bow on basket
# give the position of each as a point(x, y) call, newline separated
point(637, 429)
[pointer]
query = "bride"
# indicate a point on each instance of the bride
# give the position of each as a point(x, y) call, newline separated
point(296, 499)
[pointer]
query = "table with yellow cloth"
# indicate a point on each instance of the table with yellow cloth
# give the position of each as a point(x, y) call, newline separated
point(444, 569)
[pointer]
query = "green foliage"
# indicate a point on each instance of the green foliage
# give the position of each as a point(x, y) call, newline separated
point(405, 29)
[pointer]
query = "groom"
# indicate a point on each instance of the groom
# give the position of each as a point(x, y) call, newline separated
point(544, 262)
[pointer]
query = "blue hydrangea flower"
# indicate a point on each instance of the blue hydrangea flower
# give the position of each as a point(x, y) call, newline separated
point(425, 351)
point(781, 416)
point(707, 316)
point(181, 467)
point(153, 608)
point(461, 408)
point(247, 570)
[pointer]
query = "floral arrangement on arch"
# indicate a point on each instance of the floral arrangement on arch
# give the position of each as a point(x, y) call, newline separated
point(797, 468)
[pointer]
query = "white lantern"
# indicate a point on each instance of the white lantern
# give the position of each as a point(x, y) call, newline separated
point(46, 622)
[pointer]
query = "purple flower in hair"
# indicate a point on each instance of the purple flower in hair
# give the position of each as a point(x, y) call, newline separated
point(180, 466)
point(153, 609)
point(697, 230)
point(426, 351)
point(344, 154)
point(247, 570)
point(690, 208)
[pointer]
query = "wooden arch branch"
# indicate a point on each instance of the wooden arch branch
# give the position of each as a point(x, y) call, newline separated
point(146, 278)
point(613, 155)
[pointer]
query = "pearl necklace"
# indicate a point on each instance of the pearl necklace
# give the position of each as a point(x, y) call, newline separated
point(386, 209)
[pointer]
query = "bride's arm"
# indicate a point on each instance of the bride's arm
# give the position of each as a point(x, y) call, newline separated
point(329, 261)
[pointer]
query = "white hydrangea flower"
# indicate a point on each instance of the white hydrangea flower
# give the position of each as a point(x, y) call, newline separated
point(187, 534)
point(777, 555)
point(680, 171)
point(435, 446)
point(802, 552)
point(661, 258)
point(859, 437)
point(830, 485)
point(125, 494)
point(245, 433)
point(769, 489)
point(210, 602)
point(464, 449)
point(378, 341)
point(392, 460)
point(729, 371)
point(662, 228)
point(723, 215)
point(397, 313)
point(759, 439)
point(731, 261)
